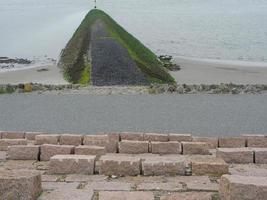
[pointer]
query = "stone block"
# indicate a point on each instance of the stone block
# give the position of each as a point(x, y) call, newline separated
point(49, 150)
point(180, 137)
point(158, 186)
point(124, 195)
point(102, 140)
point(90, 150)
point(71, 194)
point(211, 141)
point(133, 147)
point(195, 148)
point(234, 187)
point(236, 155)
point(119, 165)
point(4, 143)
point(156, 137)
point(32, 135)
point(209, 166)
point(23, 152)
point(163, 165)
point(13, 135)
point(259, 141)
point(109, 186)
point(132, 136)
point(72, 164)
point(20, 184)
point(47, 139)
point(232, 142)
point(171, 147)
point(71, 139)
point(188, 196)
point(260, 155)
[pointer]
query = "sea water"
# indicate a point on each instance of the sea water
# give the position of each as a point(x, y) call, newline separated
point(215, 29)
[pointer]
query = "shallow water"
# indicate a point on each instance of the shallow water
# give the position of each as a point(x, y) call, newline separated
point(228, 29)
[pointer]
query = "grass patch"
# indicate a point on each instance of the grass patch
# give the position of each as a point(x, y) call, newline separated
point(7, 90)
point(76, 68)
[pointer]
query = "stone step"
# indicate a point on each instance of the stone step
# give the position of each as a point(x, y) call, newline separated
point(20, 184)
point(90, 150)
point(232, 142)
point(4, 143)
point(211, 141)
point(31, 135)
point(186, 137)
point(49, 150)
point(172, 147)
point(260, 155)
point(132, 136)
point(189, 148)
point(156, 137)
point(72, 164)
point(71, 139)
point(47, 139)
point(125, 195)
point(23, 152)
point(259, 141)
point(133, 147)
point(243, 187)
point(106, 140)
point(236, 155)
point(12, 135)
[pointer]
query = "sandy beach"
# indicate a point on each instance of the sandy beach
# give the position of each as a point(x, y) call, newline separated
point(193, 71)
point(33, 75)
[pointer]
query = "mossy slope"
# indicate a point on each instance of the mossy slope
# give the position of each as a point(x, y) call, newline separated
point(76, 61)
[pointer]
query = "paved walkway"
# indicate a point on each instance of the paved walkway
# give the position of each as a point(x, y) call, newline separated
point(79, 113)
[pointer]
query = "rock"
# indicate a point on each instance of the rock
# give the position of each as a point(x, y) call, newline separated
point(20, 184)
point(27, 87)
point(133, 195)
point(12, 135)
point(72, 164)
point(119, 165)
point(163, 165)
point(171, 147)
point(156, 137)
point(235, 155)
point(90, 150)
point(209, 166)
point(23, 152)
point(195, 148)
point(132, 136)
point(47, 139)
point(180, 137)
point(212, 142)
point(232, 142)
point(243, 187)
point(260, 155)
point(49, 150)
point(71, 139)
point(4, 143)
point(133, 147)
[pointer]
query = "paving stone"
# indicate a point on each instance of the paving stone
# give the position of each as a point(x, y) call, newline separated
point(169, 186)
point(90, 150)
point(171, 147)
point(259, 141)
point(32, 135)
point(133, 147)
point(232, 142)
point(85, 178)
point(59, 185)
point(243, 187)
point(71, 139)
point(23, 152)
point(49, 150)
point(13, 135)
point(162, 165)
point(72, 164)
point(157, 137)
point(4, 143)
point(108, 186)
point(180, 137)
point(132, 136)
point(188, 196)
point(211, 141)
point(260, 155)
point(47, 139)
point(17, 185)
point(119, 164)
point(102, 140)
point(235, 155)
point(210, 166)
point(126, 195)
point(195, 148)
point(63, 194)
point(50, 178)
point(249, 169)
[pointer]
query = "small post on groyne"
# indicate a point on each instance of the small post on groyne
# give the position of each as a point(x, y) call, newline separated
point(95, 4)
